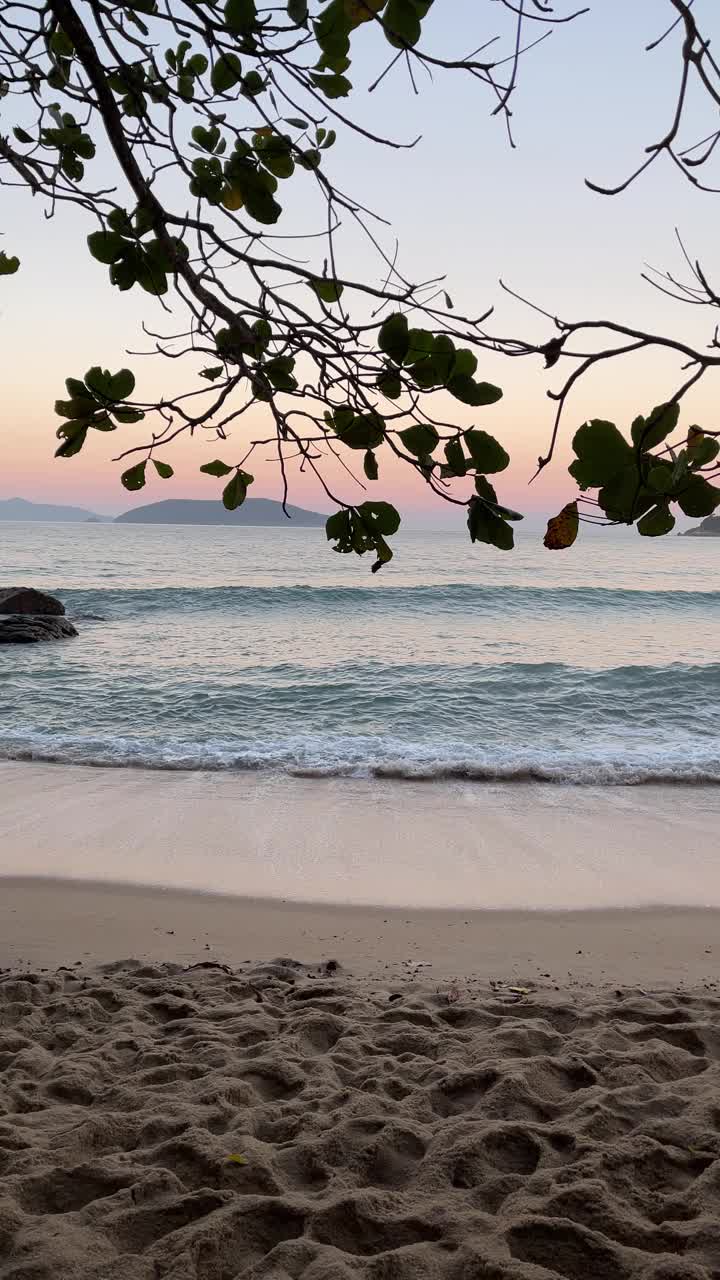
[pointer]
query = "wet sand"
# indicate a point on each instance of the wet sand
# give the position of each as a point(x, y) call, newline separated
point(451, 844)
point(208, 1085)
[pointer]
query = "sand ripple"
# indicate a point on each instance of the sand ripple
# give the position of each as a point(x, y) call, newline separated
point(387, 1134)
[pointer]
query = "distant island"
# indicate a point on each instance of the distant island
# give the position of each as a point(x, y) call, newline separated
point(19, 509)
point(257, 511)
point(254, 511)
point(710, 528)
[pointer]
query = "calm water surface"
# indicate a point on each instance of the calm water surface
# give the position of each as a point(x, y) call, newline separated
point(221, 648)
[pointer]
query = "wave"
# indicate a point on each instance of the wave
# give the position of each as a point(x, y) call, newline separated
point(322, 758)
point(104, 603)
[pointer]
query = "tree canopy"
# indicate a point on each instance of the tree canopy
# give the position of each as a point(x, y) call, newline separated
point(212, 117)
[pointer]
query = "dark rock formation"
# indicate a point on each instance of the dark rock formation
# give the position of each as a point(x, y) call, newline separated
point(710, 528)
point(28, 616)
point(30, 628)
point(28, 600)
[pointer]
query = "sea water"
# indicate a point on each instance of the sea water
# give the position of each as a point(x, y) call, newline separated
point(259, 648)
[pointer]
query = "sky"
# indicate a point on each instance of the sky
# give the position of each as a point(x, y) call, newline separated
point(462, 203)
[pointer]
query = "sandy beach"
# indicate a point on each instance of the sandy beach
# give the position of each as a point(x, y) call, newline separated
point(364, 841)
point(288, 1121)
point(207, 1085)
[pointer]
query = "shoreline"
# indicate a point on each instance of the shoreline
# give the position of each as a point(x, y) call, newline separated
point(361, 842)
point(635, 777)
point(49, 923)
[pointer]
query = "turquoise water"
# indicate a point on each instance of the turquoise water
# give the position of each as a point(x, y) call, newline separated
point(260, 648)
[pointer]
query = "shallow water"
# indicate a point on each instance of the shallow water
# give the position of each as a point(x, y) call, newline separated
point(223, 648)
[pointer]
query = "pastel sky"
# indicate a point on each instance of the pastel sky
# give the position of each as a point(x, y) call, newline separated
point(463, 203)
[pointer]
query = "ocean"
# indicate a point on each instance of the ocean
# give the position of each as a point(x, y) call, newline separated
point(217, 648)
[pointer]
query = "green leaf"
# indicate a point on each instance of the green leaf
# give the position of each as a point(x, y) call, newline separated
point(124, 273)
point(75, 387)
point(363, 431)
point(22, 135)
point(701, 449)
point(216, 468)
point(72, 444)
point(280, 373)
point(109, 388)
point(262, 333)
point(332, 32)
point(309, 159)
point(698, 498)
point(102, 422)
point(443, 359)
point(421, 343)
point(252, 84)
point(384, 554)
point(206, 138)
point(486, 493)
point(465, 389)
point(360, 11)
point(106, 246)
point(648, 432)
point(197, 65)
point(401, 21)
point(390, 384)
point(163, 469)
point(327, 290)
point(456, 458)
point(77, 407)
point(275, 153)
point(134, 477)
point(256, 187)
point(152, 279)
point(485, 526)
point(226, 72)
point(119, 220)
point(127, 415)
point(98, 382)
point(486, 452)
point(122, 385)
point(241, 16)
point(235, 491)
point(297, 12)
point(485, 490)
point(296, 122)
point(601, 453)
point(211, 373)
point(394, 338)
point(657, 521)
point(332, 86)
point(337, 526)
point(420, 439)
point(370, 465)
point(625, 497)
point(660, 478)
point(61, 44)
point(465, 363)
point(380, 517)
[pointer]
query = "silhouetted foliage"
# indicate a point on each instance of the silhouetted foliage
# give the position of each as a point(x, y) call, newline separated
point(217, 115)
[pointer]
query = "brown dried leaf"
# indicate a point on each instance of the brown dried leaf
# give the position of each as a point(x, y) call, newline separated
point(562, 529)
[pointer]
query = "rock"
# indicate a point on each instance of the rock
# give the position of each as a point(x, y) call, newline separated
point(710, 528)
point(28, 600)
point(31, 628)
